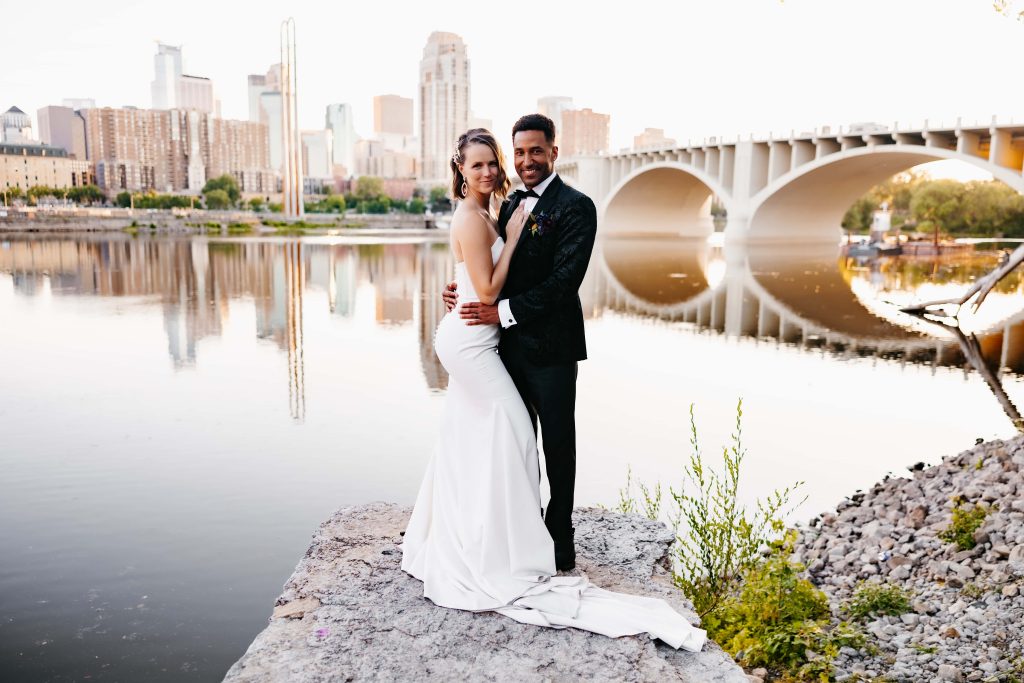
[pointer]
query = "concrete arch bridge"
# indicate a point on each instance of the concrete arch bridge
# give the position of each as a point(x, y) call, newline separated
point(780, 189)
point(765, 293)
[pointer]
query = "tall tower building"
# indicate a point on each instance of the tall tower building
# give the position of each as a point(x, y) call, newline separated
point(174, 90)
point(392, 114)
point(167, 73)
point(444, 102)
point(552, 107)
point(339, 122)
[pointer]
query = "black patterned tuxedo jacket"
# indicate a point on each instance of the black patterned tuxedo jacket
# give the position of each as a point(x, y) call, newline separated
point(546, 271)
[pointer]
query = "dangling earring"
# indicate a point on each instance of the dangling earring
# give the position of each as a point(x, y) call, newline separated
point(465, 189)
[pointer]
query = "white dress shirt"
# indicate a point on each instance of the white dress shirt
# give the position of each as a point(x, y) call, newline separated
point(504, 310)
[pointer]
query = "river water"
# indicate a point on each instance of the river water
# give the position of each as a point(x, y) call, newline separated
point(177, 414)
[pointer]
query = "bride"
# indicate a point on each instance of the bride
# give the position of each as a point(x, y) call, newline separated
point(476, 537)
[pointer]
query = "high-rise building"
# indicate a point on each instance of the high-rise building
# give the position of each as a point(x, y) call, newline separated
point(174, 150)
point(258, 85)
point(266, 107)
point(173, 89)
point(343, 134)
point(15, 126)
point(62, 127)
point(652, 138)
point(552, 107)
point(196, 92)
point(444, 102)
point(167, 71)
point(317, 154)
point(392, 114)
point(480, 122)
point(272, 109)
point(584, 132)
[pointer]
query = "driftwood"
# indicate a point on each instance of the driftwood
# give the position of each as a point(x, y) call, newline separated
point(981, 288)
point(971, 349)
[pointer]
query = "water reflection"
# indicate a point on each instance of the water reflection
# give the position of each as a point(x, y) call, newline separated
point(806, 297)
point(193, 280)
point(810, 298)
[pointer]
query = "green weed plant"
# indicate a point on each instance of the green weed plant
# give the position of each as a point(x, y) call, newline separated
point(876, 599)
point(966, 520)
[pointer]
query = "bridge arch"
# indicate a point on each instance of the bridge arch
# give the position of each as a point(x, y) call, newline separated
point(808, 203)
point(665, 198)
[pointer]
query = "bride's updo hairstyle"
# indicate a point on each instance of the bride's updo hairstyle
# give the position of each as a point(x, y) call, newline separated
point(478, 136)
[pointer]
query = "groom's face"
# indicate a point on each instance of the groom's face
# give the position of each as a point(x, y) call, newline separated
point(534, 156)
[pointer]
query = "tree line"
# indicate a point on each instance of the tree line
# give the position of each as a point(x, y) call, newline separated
point(922, 204)
point(367, 195)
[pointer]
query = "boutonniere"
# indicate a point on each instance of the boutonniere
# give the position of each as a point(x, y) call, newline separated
point(540, 223)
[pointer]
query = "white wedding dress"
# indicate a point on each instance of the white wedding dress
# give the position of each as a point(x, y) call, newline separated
point(476, 538)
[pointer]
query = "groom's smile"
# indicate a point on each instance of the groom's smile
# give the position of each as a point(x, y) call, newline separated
point(534, 156)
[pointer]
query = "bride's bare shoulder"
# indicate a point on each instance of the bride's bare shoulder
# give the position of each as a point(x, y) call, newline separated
point(469, 224)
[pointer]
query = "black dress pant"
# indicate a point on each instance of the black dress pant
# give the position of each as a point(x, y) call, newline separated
point(549, 392)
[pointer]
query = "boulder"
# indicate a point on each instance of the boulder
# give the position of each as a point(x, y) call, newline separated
point(349, 613)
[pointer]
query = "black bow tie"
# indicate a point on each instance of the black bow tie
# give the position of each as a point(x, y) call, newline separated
point(523, 194)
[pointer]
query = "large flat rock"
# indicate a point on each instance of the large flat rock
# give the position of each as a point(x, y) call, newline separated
point(349, 613)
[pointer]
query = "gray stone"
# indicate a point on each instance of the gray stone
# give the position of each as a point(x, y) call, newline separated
point(1016, 554)
point(373, 623)
point(948, 672)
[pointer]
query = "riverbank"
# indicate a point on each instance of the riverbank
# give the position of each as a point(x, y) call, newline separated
point(349, 612)
point(964, 613)
point(186, 221)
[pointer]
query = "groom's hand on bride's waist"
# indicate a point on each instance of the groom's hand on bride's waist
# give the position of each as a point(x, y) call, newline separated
point(450, 296)
point(476, 313)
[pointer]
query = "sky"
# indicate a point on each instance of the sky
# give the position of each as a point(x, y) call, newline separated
point(696, 68)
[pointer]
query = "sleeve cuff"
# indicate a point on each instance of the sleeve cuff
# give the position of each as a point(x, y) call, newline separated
point(505, 314)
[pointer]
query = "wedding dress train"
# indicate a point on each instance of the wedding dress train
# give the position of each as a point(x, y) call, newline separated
point(476, 538)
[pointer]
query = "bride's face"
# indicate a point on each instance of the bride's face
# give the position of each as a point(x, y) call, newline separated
point(480, 168)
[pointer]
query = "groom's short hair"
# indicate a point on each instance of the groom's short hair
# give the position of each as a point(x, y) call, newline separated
point(536, 122)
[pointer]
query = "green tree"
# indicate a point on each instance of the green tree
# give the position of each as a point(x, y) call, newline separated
point(439, 200)
point(938, 204)
point(417, 205)
point(859, 216)
point(86, 194)
point(368, 188)
point(257, 203)
point(227, 184)
point(217, 199)
point(123, 199)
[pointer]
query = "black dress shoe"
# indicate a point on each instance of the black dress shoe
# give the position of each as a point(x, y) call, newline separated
point(565, 553)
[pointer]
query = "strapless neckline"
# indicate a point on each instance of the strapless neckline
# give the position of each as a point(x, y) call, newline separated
point(497, 244)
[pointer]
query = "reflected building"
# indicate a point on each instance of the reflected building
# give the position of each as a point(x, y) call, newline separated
point(804, 298)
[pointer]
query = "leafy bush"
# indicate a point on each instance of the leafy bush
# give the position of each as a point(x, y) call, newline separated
point(875, 599)
point(217, 199)
point(759, 607)
point(779, 620)
point(965, 522)
point(225, 183)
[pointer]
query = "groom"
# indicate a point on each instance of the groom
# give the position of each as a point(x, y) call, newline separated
point(540, 312)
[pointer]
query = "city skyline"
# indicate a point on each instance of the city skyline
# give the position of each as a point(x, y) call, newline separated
point(765, 84)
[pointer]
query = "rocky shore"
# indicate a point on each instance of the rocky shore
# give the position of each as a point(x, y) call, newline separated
point(966, 615)
point(349, 613)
